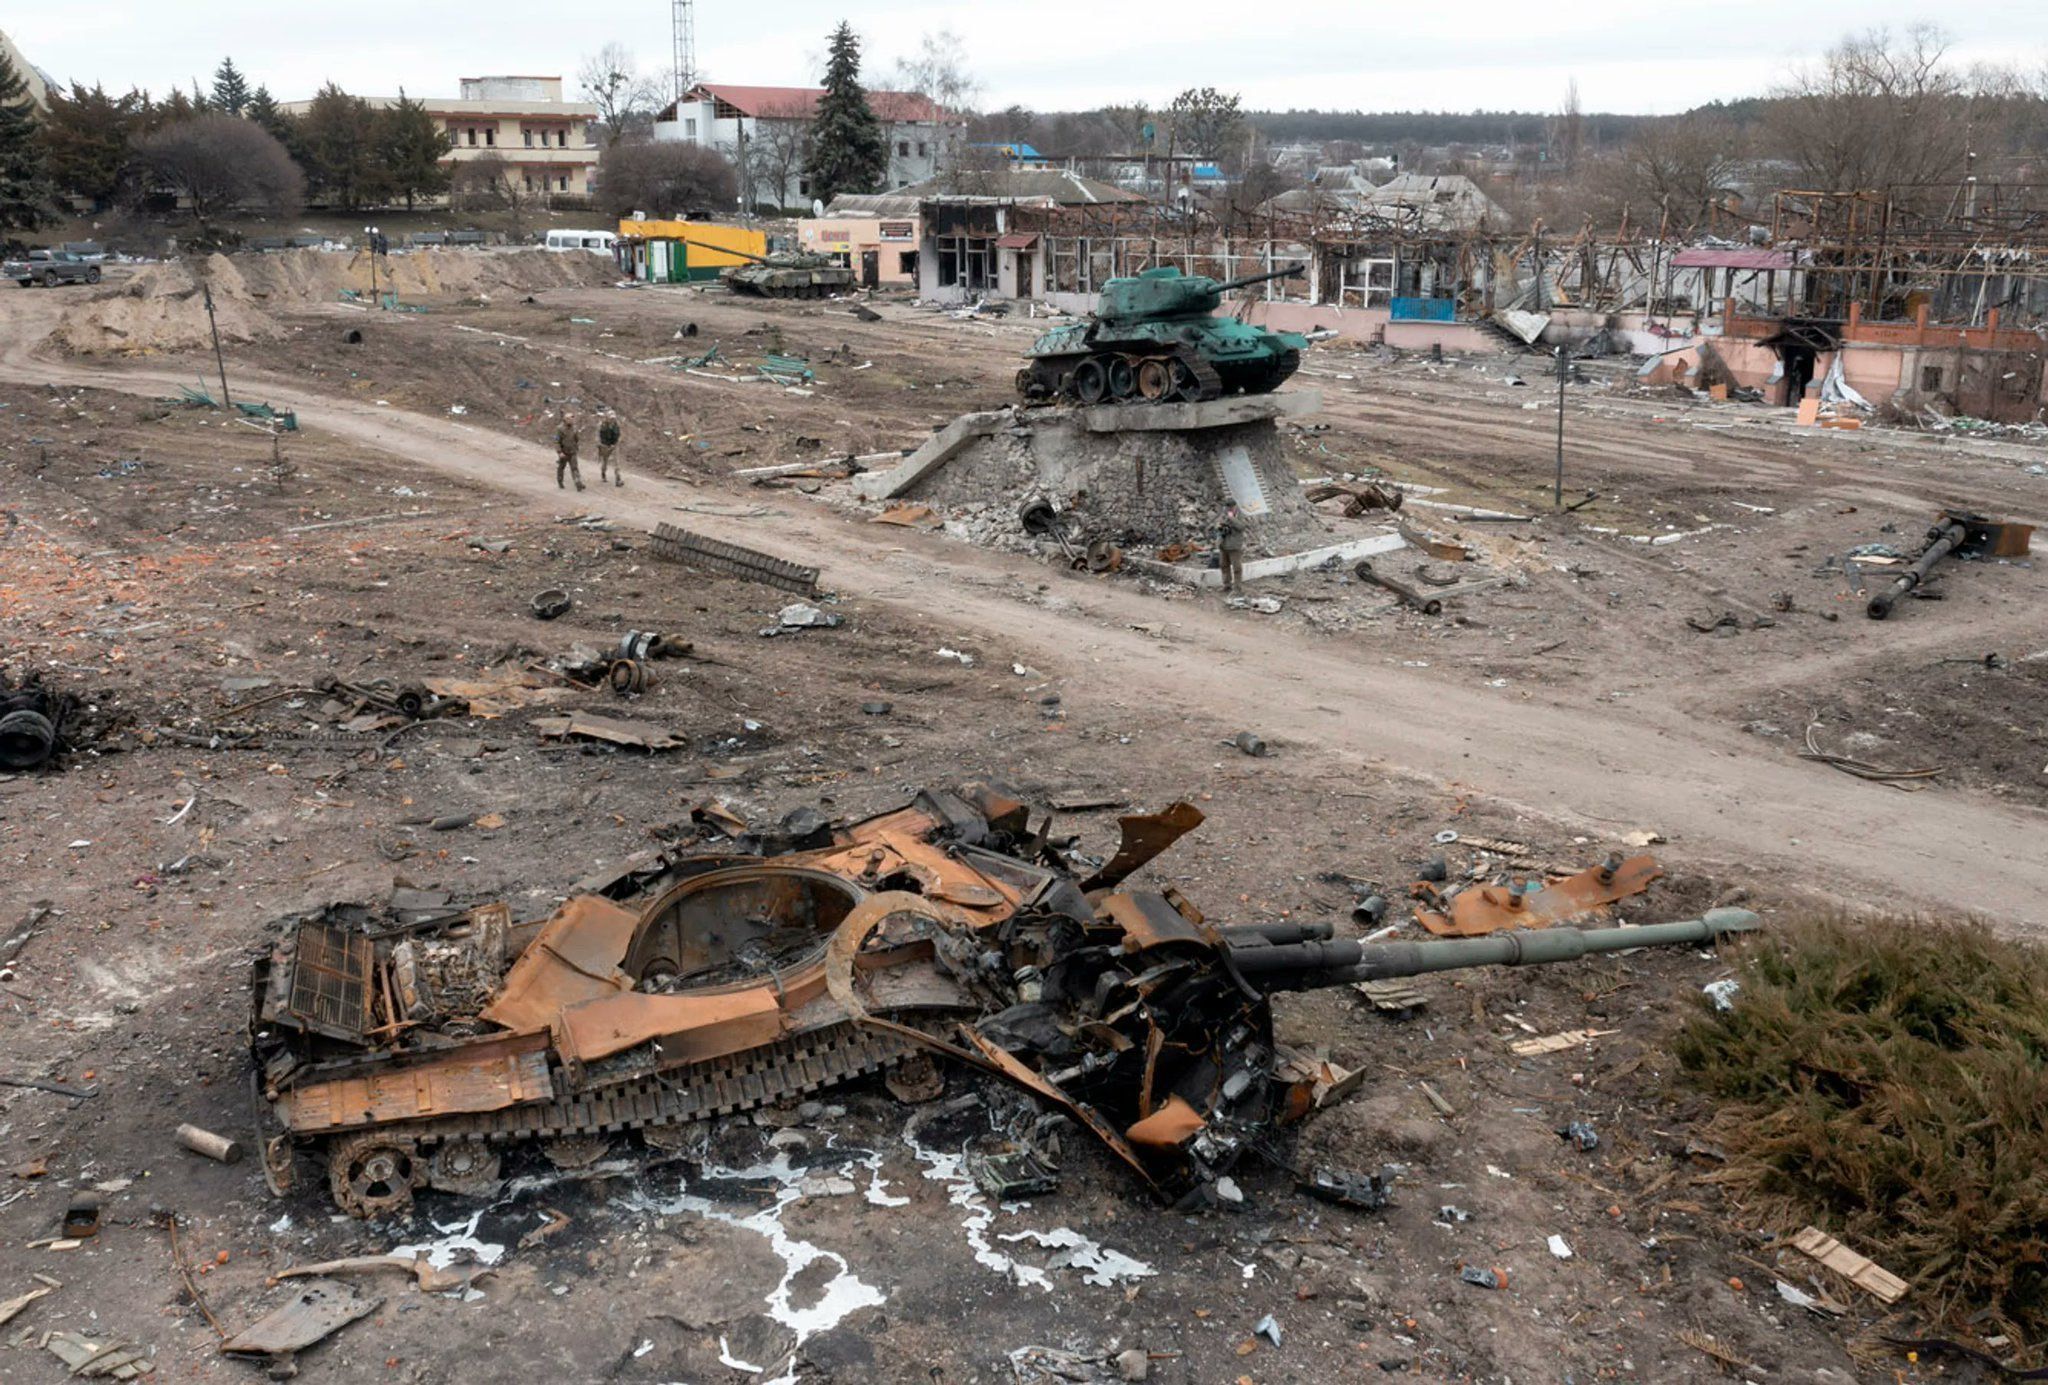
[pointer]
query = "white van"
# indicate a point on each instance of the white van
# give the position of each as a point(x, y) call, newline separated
point(596, 242)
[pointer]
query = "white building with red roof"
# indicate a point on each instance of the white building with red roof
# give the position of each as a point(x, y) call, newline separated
point(765, 132)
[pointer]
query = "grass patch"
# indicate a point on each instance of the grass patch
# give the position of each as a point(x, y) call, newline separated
point(1888, 1082)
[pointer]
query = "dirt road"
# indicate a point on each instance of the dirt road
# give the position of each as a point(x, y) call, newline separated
point(1336, 708)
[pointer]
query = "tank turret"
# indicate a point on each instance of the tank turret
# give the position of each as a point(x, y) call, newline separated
point(1153, 339)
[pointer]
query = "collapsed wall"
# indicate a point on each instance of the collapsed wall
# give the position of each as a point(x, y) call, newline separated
point(1144, 476)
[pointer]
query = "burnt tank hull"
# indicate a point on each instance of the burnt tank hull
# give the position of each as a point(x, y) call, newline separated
point(395, 1052)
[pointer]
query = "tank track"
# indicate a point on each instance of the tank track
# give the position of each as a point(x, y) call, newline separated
point(793, 1067)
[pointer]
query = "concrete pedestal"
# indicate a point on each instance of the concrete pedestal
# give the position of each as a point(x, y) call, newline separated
point(1142, 475)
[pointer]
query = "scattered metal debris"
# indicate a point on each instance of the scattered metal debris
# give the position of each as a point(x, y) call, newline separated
point(1483, 909)
point(314, 1312)
point(1958, 532)
point(218, 1148)
point(1907, 779)
point(1428, 605)
point(731, 560)
point(550, 604)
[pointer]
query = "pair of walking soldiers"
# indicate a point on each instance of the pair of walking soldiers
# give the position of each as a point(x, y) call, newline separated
point(569, 440)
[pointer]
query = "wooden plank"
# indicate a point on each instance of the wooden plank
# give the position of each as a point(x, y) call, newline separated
point(1865, 1273)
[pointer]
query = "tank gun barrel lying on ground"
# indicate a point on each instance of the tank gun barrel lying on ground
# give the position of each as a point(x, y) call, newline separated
point(696, 984)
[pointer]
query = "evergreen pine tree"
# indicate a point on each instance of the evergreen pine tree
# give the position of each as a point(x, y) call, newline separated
point(24, 184)
point(412, 146)
point(263, 109)
point(848, 150)
point(230, 88)
point(87, 138)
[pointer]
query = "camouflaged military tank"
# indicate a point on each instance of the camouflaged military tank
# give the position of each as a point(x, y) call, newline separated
point(782, 274)
point(1153, 339)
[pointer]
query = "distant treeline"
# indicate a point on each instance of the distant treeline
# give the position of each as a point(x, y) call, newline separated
point(1431, 128)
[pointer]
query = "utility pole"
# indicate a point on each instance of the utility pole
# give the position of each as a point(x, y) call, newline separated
point(1557, 496)
point(219, 360)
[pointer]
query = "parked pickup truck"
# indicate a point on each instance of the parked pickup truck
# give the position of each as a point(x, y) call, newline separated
point(51, 268)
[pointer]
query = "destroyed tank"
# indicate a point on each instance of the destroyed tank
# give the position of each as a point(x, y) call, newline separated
point(409, 1049)
point(782, 273)
point(1153, 338)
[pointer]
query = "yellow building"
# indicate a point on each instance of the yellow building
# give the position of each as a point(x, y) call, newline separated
point(544, 141)
point(662, 252)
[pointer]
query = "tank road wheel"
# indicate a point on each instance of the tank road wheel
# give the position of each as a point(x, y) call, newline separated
point(467, 1168)
point(412, 699)
point(26, 740)
point(1090, 382)
point(575, 1151)
point(1186, 387)
point(1123, 380)
point(915, 1079)
point(628, 676)
point(1155, 379)
point(372, 1175)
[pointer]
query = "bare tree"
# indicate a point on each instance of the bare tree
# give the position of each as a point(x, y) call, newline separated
point(938, 72)
point(1568, 130)
point(1678, 166)
point(664, 178)
point(1205, 122)
point(218, 163)
point(626, 101)
point(777, 152)
point(487, 184)
point(1879, 113)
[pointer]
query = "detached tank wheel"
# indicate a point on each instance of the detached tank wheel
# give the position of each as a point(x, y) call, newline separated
point(26, 739)
point(372, 1175)
point(575, 1151)
point(1155, 379)
point(412, 700)
point(1091, 382)
point(915, 1079)
point(628, 676)
point(466, 1168)
point(1123, 379)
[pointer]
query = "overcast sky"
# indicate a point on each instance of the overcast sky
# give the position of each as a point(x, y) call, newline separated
point(1049, 55)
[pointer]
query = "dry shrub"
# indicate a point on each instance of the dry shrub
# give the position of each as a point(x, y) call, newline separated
point(1888, 1082)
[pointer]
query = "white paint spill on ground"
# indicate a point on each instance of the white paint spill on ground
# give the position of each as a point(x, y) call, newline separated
point(726, 1358)
point(878, 1187)
point(457, 1239)
point(844, 1294)
point(1100, 1265)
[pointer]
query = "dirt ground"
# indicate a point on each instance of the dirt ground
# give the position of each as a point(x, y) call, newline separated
point(161, 562)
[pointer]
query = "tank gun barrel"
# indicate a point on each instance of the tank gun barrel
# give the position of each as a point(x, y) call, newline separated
point(1291, 272)
point(726, 250)
point(1311, 963)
